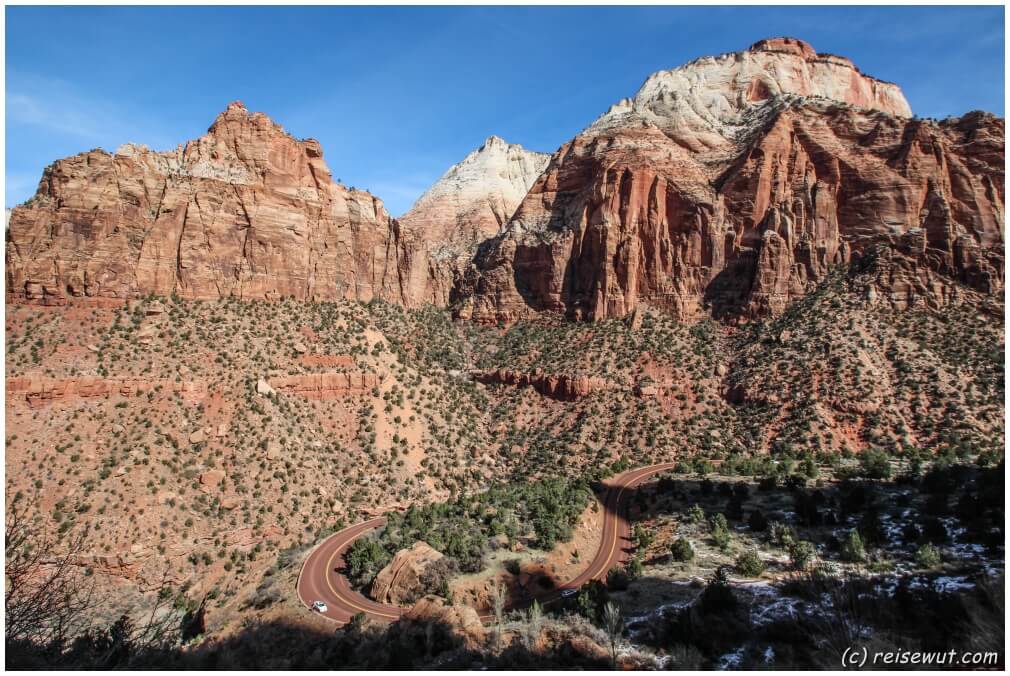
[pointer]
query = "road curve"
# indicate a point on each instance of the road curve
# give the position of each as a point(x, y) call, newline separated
point(321, 580)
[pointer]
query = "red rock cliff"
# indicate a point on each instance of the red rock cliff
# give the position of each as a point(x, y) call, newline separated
point(245, 211)
point(736, 205)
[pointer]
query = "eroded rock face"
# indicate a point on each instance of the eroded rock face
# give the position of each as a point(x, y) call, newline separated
point(697, 197)
point(40, 390)
point(702, 105)
point(555, 386)
point(402, 580)
point(245, 211)
point(462, 621)
point(729, 186)
point(326, 385)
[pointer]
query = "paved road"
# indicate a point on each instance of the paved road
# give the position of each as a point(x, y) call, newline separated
point(321, 579)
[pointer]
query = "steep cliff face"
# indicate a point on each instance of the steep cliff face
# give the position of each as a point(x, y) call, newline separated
point(245, 211)
point(698, 196)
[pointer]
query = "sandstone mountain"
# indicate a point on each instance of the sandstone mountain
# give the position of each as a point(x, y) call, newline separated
point(728, 186)
point(732, 184)
point(245, 211)
point(211, 445)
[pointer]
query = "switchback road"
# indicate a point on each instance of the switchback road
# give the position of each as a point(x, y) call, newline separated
point(321, 580)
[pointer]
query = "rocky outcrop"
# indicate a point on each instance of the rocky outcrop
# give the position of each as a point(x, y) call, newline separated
point(245, 211)
point(702, 105)
point(562, 387)
point(702, 196)
point(40, 391)
point(403, 579)
point(331, 360)
point(326, 385)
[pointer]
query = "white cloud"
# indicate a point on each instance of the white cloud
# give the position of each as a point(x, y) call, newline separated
point(26, 109)
point(55, 106)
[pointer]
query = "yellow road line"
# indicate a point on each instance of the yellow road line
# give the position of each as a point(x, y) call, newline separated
point(326, 575)
point(603, 567)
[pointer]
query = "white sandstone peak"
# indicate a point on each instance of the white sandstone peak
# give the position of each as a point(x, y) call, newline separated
point(705, 103)
point(475, 197)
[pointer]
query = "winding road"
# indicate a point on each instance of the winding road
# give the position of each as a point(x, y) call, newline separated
point(321, 580)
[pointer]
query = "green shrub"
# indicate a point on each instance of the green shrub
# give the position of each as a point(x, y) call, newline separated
point(801, 553)
point(681, 550)
point(927, 556)
point(720, 531)
point(874, 464)
point(853, 549)
point(696, 514)
point(750, 564)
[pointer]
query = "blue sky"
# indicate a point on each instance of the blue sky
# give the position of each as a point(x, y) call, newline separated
point(397, 95)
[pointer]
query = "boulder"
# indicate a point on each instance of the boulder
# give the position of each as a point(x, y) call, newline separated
point(212, 477)
point(263, 388)
point(402, 580)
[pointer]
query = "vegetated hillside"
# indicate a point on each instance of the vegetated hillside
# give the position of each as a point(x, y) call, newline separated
point(209, 483)
point(177, 464)
point(838, 373)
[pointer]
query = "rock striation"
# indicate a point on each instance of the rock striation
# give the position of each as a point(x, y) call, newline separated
point(729, 186)
point(733, 184)
point(245, 211)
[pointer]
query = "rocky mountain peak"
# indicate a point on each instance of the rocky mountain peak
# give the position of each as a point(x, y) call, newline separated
point(476, 196)
point(707, 103)
point(785, 44)
point(494, 141)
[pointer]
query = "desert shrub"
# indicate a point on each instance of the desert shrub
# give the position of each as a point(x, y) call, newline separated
point(696, 514)
point(801, 553)
point(618, 579)
point(365, 558)
point(853, 549)
point(927, 556)
point(718, 595)
point(874, 464)
point(719, 529)
point(749, 564)
point(681, 550)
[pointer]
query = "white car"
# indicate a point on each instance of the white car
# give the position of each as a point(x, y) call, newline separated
point(319, 607)
point(567, 593)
